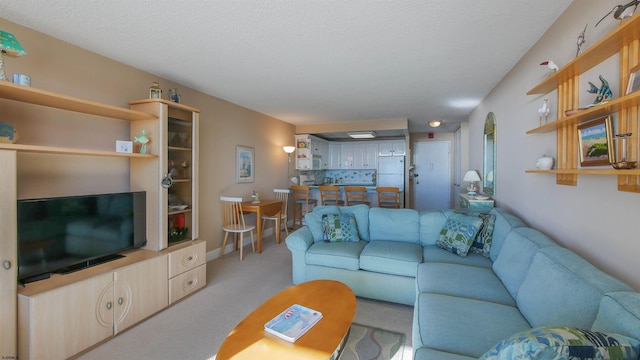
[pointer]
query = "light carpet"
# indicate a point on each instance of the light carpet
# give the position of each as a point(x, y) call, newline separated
point(371, 343)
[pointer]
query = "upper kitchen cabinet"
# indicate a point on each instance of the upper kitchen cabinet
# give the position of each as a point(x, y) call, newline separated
point(392, 148)
point(334, 154)
point(172, 205)
point(365, 155)
point(311, 152)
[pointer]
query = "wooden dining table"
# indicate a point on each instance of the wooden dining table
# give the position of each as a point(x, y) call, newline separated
point(264, 207)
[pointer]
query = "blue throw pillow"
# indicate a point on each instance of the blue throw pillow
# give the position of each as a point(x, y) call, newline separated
point(563, 343)
point(482, 242)
point(458, 233)
point(339, 228)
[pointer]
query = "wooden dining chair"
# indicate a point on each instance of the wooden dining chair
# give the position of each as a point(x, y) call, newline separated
point(301, 202)
point(354, 195)
point(330, 195)
point(388, 196)
point(233, 223)
point(282, 195)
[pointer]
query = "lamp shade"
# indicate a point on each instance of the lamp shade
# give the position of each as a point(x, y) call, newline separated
point(289, 149)
point(471, 175)
point(10, 45)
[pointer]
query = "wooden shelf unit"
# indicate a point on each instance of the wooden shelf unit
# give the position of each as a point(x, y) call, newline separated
point(624, 40)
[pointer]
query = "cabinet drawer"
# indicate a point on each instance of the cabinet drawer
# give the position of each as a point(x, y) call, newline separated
point(186, 283)
point(187, 258)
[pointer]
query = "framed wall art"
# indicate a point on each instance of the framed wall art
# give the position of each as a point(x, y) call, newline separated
point(634, 79)
point(245, 164)
point(596, 142)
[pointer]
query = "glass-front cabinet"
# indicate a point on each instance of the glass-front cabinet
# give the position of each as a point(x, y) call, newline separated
point(172, 210)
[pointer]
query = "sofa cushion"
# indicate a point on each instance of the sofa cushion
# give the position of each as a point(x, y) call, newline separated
point(463, 326)
point(339, 228)
point(516, 255)
point(482, 242)
point(314, 220)
point(361, 213)
point(394, 225)
point(505, 222)
point(458, 233)
point(430, 354)
point(619, 313)
point(341, 255)
point(437, 254)
point(564, 343)
point(462, 280)
point(562, 288)
point(431, 223)
point(391, 257)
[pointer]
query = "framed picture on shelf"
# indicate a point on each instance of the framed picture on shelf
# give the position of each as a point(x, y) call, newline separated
point(634, 79)
point(245, 164)
point(596, 142)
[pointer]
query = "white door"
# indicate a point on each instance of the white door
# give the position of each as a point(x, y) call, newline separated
point(432, 182)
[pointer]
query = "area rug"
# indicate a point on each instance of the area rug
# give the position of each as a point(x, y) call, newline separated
point(369, 343)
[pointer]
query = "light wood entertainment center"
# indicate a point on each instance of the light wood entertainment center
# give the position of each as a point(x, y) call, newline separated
point(65, 315)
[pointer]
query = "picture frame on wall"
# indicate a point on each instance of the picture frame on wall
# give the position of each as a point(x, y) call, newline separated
point(245, 164)
point(634, 79)
point(596, 142)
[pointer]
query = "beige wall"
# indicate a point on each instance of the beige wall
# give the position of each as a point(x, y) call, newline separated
point(57, 66)
point(593, 218)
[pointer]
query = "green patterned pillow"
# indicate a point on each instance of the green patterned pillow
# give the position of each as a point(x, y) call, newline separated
point(339, 228)
point(482, 242)
point(563, 343)
point(458, 233)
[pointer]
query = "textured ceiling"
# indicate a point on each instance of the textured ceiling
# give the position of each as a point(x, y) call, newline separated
point(311, 61)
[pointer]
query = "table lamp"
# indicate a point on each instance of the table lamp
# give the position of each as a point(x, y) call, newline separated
point(8, 45)
point(471, 176)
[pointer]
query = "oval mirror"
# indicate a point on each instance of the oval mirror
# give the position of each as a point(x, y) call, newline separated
point(489, 167)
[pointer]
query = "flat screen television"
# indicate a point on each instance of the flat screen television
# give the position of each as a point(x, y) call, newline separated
point(65, 234)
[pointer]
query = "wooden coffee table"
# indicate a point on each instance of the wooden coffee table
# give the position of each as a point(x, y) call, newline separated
point(325, 340)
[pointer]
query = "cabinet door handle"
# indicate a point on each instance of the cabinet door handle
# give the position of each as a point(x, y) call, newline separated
point(190, 282)
point(190, 258)
point(6, 264)
point(109, 305)
point(120, 301)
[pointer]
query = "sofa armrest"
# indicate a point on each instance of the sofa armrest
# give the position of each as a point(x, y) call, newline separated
point(300, 240)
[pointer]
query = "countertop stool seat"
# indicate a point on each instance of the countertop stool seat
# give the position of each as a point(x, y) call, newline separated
point(301, 202)
point(355, 195)
point(388, 197)
point(330, 195)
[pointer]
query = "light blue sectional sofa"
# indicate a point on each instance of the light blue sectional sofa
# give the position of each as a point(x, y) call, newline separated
point(467, 306)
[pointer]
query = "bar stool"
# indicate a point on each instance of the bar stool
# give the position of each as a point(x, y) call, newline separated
point(388, 197)
point(301, 202)
point(330, 195)
point(355, 195)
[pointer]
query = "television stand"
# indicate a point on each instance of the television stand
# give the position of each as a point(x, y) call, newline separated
point(36, 278)
point(87, 264)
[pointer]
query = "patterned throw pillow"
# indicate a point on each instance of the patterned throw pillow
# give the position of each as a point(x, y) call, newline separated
point(458, 233)
point(482, 242)
point(562, 342)
point(339, 228)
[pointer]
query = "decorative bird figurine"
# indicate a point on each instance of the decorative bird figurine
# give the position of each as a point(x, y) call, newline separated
point(621, 12)
point(551, 65)
point(543, 111)
point(581, 40)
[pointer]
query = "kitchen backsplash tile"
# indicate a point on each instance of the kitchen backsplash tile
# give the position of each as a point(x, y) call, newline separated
point(360, 177)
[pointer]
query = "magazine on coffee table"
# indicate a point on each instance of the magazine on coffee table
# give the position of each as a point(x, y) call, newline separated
point(293, 322)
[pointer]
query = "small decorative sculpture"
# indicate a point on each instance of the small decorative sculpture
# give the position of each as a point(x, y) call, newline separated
point(581, 40)
point(142, 140)
point(621, 12)
point(8, 134)
point(603, 94)
point(255, 197)
point(551, 65)
point(543, 111)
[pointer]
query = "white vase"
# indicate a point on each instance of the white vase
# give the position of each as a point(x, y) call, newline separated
point(544, 163)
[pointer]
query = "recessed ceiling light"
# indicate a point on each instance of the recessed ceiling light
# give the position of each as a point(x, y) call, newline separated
point(363, 135)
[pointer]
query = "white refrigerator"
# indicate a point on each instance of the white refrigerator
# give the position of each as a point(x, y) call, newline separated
point(391, 171)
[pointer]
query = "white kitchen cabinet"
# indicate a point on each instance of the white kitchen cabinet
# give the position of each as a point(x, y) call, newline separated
point(391, 148)
point(64, 315)
point(347, 155)
point(365, 155)
point(304, 155)
point(334, 155)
